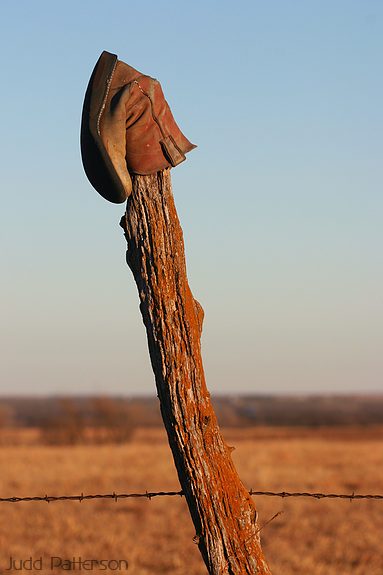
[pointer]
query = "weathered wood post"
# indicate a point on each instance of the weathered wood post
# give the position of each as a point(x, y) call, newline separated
point(221, 508)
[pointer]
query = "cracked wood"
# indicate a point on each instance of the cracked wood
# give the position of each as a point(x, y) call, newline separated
point(221, 508)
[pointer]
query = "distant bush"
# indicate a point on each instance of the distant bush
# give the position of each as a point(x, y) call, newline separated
point(64, 427)
point(111, 420)
point(6, 416)
point(99, 420)
point(6, 422)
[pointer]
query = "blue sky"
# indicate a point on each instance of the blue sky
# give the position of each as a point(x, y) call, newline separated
point(281, 203)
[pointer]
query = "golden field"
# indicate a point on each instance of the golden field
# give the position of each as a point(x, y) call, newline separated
point(311, 537)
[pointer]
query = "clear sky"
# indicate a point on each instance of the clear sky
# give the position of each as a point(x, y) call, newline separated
point(281, 203)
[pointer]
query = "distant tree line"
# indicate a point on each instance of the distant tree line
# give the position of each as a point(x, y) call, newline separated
point(101, 419)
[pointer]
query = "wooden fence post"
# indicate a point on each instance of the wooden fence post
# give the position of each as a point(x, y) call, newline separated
point(222, 510)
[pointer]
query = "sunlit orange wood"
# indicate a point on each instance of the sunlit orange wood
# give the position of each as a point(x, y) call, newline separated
point(222, 510)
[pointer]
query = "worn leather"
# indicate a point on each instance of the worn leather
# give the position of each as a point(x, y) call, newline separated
point(127, 128)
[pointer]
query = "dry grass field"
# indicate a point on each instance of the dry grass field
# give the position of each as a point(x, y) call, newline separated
point(327, 537)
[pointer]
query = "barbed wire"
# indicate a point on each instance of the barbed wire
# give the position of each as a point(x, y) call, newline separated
point(151, 494)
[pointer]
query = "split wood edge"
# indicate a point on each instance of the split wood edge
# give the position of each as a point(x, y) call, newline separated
point(222, 510)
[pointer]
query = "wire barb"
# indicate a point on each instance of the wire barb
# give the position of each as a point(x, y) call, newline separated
point(150, 494)
point(350, 496)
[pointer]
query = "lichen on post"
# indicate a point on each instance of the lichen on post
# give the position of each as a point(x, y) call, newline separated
point(221, 508)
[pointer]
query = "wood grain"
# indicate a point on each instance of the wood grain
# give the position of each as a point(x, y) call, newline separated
point(222, 510)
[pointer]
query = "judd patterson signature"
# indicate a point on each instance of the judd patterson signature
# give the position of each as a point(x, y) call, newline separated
point(73, 564)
